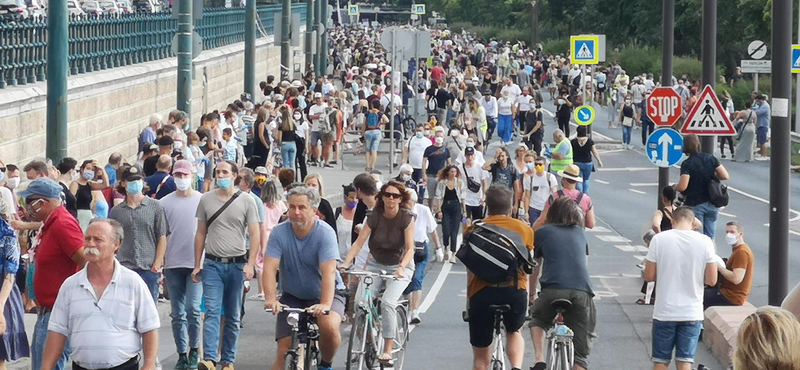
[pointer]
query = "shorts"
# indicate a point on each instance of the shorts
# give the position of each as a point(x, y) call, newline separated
point(680, 335)
point(761, 135)
point(581, 318)
point(432, 182)
point(314, 137)
point(282, 328)
point(372, 139)
point(481, 319)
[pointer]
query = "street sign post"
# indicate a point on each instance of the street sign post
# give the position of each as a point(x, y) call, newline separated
point(708, 117)
point(756, 66)
point(757, 49)
point(584, 49)
point(584, 115)
point(664, 147)
point(352, 10)
point(418, 9)
point(664, 106)
point(795, 58)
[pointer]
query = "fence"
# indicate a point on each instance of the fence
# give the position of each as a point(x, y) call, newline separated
point(102, 42)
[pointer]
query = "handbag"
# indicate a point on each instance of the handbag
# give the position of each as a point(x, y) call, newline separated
point(627, 121)
point(420, 252)
point(717, 192)
point(472, 185)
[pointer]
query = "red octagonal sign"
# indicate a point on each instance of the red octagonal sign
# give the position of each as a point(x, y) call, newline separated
point(664, 106)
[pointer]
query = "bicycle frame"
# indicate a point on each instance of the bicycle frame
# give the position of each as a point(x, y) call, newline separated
point(499, 353)
point(311, 336)
point(558, 337)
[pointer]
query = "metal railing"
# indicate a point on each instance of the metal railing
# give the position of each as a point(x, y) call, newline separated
point(106, 41)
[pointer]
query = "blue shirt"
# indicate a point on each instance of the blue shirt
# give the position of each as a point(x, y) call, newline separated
point(300, 258)
point(112, 175)
point(155, 180)
point(147, 136)
point(763, 114)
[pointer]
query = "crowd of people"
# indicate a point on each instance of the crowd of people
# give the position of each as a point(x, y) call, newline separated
point(90, 248)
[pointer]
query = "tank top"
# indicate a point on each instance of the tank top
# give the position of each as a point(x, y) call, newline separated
point(666, 220)
point(450, 194)
point(83, 198)
point(343, 230)
point(69, 200)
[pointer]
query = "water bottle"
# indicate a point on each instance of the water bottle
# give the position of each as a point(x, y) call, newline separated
point(562, 330)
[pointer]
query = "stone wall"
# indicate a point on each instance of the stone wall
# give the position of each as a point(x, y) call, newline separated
point(108, 109)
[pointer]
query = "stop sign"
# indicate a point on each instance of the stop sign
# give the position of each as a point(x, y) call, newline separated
point(664, 106)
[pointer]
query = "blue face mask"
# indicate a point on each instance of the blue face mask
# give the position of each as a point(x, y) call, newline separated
point(530, 166)
point(224, 183)
point(88, 175)
point(419, 134)
point(352, 205)
point(134, 187)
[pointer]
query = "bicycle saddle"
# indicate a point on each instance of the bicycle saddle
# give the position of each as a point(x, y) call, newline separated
point(561, 304)
point(499, 308)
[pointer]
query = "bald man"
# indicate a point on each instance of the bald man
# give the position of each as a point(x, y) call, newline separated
point(161, 183)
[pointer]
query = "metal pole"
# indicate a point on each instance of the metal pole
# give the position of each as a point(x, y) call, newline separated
point(534, 24)
point(395, 65)
point(415, 77)
point(318, 25)
point(667, 49)
point(323, 49)
point(797, 90)
point(286, 38)
point(708, 54)
point(755, 82)
point(184, 102)
point(781, 152)
point(249, 47)
point(57, 53)
point(309, 33)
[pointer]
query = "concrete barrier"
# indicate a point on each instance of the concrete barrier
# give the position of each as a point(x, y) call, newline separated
point(720, 328)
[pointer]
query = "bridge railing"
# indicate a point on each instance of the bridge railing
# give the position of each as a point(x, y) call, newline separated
point(108, 41)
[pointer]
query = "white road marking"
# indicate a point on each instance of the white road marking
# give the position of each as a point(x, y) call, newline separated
point(640, 258)
point(644, 184)
point(613, 238)
point(637, 191)
point(762, 200)
point(602, 137)
point(790, 231)
point(598, 229)
point(437, 286)
point(611, 151)
point(625, 248)
point(605, 169)
point(601, 181)
point(551, 114)
point(641, 248)
point(727, 214)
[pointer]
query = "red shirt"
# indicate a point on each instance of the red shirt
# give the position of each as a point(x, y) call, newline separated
point(437, 73)
point(59, 239)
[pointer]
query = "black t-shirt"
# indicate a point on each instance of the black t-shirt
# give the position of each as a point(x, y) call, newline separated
point(149, 166)
point(441, 98)
point(70, 202)
point(700, 167)
point(358, 218)
point(437, 158)
point(531, 118)
point(582, 154)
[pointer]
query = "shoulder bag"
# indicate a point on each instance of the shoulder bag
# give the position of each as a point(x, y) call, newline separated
point(472, 185)
point(222, 209)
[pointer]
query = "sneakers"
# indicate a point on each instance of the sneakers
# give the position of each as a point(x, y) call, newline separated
point(539, 366)
point(228, 367)
point(192, 360)
point(206, 365)
point(415, 318)
point(449, 256)
point(183, 362)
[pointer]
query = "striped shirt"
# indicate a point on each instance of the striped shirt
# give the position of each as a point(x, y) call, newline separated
point(104, 332)
point(143, 226)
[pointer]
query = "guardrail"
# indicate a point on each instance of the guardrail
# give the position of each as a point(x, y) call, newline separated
point(106, 41)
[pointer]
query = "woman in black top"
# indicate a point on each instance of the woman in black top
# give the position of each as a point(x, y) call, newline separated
point(92, 177)
point(696, 173)
point(583, 149)
point(261, 140)
point(286, 136)
point(67, 169)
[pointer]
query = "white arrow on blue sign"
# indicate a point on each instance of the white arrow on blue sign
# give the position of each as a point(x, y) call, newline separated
point(795, 58)
point(664, 147)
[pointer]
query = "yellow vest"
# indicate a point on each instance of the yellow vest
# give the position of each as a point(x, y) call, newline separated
point(561, 164)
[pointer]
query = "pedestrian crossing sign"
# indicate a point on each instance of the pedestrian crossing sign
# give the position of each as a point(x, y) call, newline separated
point(583, 49)
point(352, 10)
point(418, 9)
point(708, 117)
point(795, 58)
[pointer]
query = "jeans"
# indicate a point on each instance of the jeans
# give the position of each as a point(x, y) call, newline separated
point(647, 128)
point(184, 298)
point(679, 335)
point(474, 213)
point(300, 159)
point(151, 280)
point(586, 171)
point(563, 125)
point(713, 297)
point(504, 128)
point(288, 153)
point(491, 124)
point(441, 115)
point(391, 296)
point(707, 214)
point(372, 140)
point(223, 286)
point(39, 339)
point(450, 115)
point(520, 121)
point(626, 134)
point(533, 214)
point(722, 141)
point(451, 218)
point(419, 273)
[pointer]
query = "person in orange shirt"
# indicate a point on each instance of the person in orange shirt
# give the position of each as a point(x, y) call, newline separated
point(483, 294)
point(737, 272)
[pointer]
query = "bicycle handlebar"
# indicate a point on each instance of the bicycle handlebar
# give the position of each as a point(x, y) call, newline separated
point(298, 310)
point(382, 274)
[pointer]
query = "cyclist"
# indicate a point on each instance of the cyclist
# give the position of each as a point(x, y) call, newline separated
point(305, 251)
point(561, 243)
point(391, 249)
point(483, 294)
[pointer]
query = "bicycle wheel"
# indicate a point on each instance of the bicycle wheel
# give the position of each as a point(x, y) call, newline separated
point(401, 339)
point(563, 358)
point(499, 353)
point(357, 346)
point(290, 361)
point(312, 357)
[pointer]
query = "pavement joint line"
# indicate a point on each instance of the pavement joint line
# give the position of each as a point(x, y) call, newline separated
point(762, 200)
point(601, 181)
point(637, 191)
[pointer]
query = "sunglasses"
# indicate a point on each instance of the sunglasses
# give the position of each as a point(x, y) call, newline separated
point(393, 195)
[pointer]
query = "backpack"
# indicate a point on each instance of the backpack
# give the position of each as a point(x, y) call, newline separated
point(373, 120)
point(576, 81)
point(495, 254)
point(432, 103)
point(561, 194)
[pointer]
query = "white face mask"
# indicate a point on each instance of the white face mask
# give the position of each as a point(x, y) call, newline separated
point(731, 239)
point(12, 182)
point(454, 133)
point(297, 117)
point(406, 177)
point(438, 140)
point(178, 145)
point(183, 183)
point(470, 144)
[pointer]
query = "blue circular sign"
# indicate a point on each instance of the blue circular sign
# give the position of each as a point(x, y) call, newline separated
point(664, 147)
point(584, 115)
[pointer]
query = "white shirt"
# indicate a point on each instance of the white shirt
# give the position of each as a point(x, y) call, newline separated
point(681, 257)
point(314, 110)
point(540, 187)
point(505, 106)
point(398, 101)
point(104, 332)
point(425, 224)
point(649, 84)
point(300, 129)
point(524, 102)
point(490, 106)
point(476, 173)
point(416, 150)
point(513, 91)
point(479, 160)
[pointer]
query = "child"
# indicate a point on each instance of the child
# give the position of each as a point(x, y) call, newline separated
point(200, 159)
point(228, 145)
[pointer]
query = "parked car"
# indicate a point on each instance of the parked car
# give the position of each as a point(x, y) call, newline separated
point(109, 7)
point(74, 8)
point(13, 9)
point(37, 9)
point(92, 7)
point(148, 6)
point(125, 7)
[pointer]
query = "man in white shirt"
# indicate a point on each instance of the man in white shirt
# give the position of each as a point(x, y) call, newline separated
point(424, 226)
point(413, 153)
point(316, 114)
point(513, 89)
point(471, 172)
point(490, 105)
point(538, 185)
point(105, 310)
point(681, 260)
point(524, 103)
point(637, 95)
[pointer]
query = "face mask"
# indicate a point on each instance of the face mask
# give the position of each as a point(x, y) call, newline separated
point(454, 133)
point(470, 144)
point(539, 168)
point(2, 176)
point(731, 239)
point(530, 166)
point(183, 183)
point(438, 140)
point(134, 187)
point(88, 175)
point(352, 204)
point(12, 182)
point(427, 132)
point(178, 145)
point(297, 117)
point(419, 134)
point(405, 177)
point(224, 183)
point(261, 180)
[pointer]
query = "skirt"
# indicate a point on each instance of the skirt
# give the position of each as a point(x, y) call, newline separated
point(15, 341)
point(84, 217)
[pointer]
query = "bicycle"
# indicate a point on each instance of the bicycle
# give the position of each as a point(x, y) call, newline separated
point(366, 342)
point(560, 353)
point(306, 340)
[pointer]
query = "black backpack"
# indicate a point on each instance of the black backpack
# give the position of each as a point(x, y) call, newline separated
point(495, 254)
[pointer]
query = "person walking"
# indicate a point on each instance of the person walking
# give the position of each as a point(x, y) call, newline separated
point(12, 328)
point(505, 109)
point(375, 121)
point(747, 134)
point(450, 206)
point(763, 111)
point(584, 149)
point(475, 175)
point(538, 185)
point(287, 136)
point(563, 112)
point(424, 233)
point(436, 157)
point(562, 155)
point(696, 173)
point(92, 177)
point(678, 312)
point(626, 119)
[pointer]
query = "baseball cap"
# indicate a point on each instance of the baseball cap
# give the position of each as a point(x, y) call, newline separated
point(132, 173)
point(469, 151)
point(150, 148)
point(296, 84)
point(165, 141)
point(317, 95)
point(42, 187)
point(183, 166)
point(261, 170)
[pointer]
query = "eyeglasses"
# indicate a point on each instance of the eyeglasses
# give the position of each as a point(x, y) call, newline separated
point(393, 195)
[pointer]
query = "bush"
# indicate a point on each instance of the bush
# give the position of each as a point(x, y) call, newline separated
point(556, 46)
point(687, 66)
point(486, 32)
point(637, 60)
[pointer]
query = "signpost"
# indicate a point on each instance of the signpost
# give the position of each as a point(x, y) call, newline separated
point(584, 115)
point(708, 117)
point(756, 66)
point(352, 10)
point(664, 106)
point(795, 58)
point(418, 9)
point(584, 49)
point(664, 147)
point(757, 49)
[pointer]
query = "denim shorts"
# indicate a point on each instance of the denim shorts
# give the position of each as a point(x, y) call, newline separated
point(372, 139)
point(679, 335)
point(761, 134)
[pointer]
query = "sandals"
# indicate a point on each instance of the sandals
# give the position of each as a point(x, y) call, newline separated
point(386, 359)
point(642, 302)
